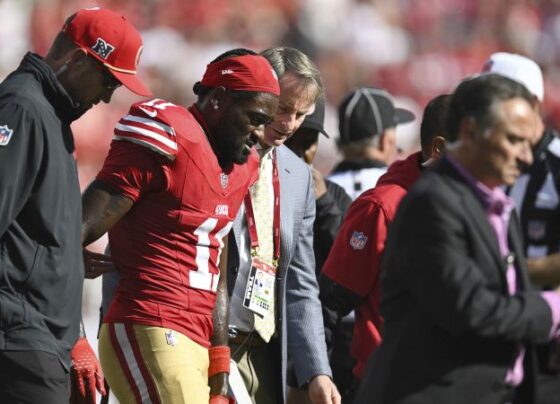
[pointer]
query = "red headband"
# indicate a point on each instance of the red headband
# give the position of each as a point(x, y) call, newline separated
point(246, 73)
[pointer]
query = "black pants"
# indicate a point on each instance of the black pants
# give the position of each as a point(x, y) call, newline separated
point(32, 377)
point(341, 361)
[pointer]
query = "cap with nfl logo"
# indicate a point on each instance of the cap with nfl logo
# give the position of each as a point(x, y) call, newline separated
point(111, 39)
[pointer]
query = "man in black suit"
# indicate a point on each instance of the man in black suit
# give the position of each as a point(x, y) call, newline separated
point(460, 319)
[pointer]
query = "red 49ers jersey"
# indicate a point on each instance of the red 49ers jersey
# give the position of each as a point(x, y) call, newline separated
point(167, 247)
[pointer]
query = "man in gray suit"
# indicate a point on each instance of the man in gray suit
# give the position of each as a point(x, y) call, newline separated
point(272, 238)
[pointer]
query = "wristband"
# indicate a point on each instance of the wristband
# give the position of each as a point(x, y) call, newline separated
point(219, 360)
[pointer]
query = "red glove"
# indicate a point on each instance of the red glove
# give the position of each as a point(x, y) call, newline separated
point(87, 376)
point(222, 400)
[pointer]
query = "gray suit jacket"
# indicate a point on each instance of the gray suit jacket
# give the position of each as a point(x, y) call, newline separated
point(300, 321)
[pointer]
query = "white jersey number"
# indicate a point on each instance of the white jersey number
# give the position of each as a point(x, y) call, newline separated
point(155, 104)
point(202, 278)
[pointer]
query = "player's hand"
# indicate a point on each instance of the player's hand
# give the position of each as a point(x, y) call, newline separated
point(322, 390)
point(86, 374)
point(97, 264)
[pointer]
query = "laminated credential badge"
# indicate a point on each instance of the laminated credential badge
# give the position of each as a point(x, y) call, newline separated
point(259, 293)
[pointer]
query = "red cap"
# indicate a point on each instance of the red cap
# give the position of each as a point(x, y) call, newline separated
point(112, 40)
point(247, 73)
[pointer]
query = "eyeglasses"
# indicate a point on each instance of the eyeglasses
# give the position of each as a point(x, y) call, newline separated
point(109, 81)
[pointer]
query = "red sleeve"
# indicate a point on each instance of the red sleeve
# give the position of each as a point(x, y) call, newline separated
point(148, 125)
point(132, 170)
point(355, 256)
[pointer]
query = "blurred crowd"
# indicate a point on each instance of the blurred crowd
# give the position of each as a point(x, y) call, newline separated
point(412, 48)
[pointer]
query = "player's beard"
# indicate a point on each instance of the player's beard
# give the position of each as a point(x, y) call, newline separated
point(232, 150)
point(240, 151)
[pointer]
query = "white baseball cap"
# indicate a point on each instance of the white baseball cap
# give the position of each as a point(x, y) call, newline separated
point(518, 68)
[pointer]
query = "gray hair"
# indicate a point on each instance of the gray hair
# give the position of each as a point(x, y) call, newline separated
point(290, 60)
point(478, 97)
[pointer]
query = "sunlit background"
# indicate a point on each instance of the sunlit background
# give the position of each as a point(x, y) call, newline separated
point(416, 49)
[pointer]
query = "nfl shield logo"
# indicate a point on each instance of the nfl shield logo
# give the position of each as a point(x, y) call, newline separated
point(5, 135)
point(102, 48)
point(223, 180)
point(358, 240)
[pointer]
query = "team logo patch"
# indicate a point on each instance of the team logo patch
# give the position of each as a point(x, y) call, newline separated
point(358, 240)
point(5, 135)
point(171, 338)
point(536, 229)
point(224, 180)
point(102, 48)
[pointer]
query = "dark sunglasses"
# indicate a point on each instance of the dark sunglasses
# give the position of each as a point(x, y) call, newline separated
point(109, 81)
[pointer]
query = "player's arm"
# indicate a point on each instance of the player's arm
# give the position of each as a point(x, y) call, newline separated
point(102, 208)
point(336, 297)
point(219, 352)
point(545, 271)
point(352, 268)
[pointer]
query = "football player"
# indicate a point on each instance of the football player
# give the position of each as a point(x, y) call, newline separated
point(168, 192)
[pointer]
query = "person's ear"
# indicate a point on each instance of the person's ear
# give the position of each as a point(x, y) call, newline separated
point(78, 56)
point(76, 61)
point(217, 98)
point(387, 141)
point(438, 147)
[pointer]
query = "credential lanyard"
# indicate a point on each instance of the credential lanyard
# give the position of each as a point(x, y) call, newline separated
point(276, 219)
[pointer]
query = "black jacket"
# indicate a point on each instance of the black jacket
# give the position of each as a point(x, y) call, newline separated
point(41, 268)
point(329, 214)
point(330, 211)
